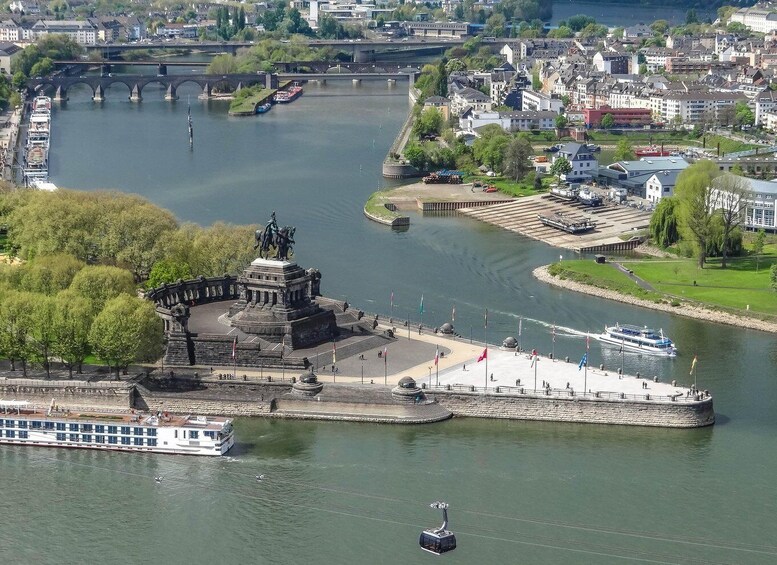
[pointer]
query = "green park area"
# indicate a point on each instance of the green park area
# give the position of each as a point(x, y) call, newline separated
point(376, 206)
point(247, 99)
point(743, 287)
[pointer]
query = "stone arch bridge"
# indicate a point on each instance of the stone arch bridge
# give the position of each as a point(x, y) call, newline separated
point(135, 84)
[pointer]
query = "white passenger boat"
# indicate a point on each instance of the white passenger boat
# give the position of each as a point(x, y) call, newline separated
point(642, 340)
point(21, 423)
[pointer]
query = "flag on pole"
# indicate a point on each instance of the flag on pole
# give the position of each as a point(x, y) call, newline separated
point(554, 333)
point(385, 354)
point(234, 347)
point(437, 355)
point(483, 355)
point(583, 361)
point(533, 357)
point(485, 319)
point(453, 314)
point(392, 298)
point(334, 353)
point(693, 365)
point(421, 306)
point(520, 326)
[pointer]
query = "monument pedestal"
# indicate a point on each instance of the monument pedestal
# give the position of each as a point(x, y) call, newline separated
point(278, 303)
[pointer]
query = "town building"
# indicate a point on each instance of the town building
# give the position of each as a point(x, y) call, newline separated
point(634, 175)
point(584, 164)
point(469, 98)
point(533, 101)
point(628, 117)
point(758, 202)
point(442, 104)
point(8, 52)
point(80, 31)
point(661, 185)
point(511, 122)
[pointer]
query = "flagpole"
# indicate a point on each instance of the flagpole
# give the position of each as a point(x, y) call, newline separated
point(585, 373)
point(485, 329)
point(536, 362)
point(553, 346)
point(520, 328)
point(385, 369)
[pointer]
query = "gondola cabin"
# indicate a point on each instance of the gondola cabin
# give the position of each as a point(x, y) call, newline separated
point(438, 540)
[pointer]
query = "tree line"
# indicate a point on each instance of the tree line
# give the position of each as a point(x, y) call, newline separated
point(83, 257)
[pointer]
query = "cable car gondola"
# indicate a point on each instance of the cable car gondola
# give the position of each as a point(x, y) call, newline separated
point(438, 540)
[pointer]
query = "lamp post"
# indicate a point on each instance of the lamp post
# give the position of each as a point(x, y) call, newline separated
point(362, 371)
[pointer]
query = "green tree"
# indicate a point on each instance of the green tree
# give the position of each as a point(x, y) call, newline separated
point(730, 203)
point(691, 17)
point(415, 155)
point(663, 223)
point(773, 276)
point(46, 274)
point(489, 148)
point(517, 157)
point(743, 115)
point(127, 330)
point(561, 121)
point(560, 166)
point(608, 121)
point(495, 26)
point(695, 197)
point(73, 315)
point(624, 151)
point(758, 246)
point(99, 284)
point(430, 122)
point(561, 32)
point(15, 326)
point(41, 334)
point(167, 271)
point(580, 21)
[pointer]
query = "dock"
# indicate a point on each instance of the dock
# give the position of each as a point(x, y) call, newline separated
point(613, 222)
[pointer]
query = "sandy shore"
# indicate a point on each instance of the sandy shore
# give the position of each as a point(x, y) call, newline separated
point(684, 309)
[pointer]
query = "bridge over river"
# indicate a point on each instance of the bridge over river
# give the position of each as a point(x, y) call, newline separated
point(60, 84)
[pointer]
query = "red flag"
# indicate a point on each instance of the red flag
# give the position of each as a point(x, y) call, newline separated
point(234, 347)
point(437, 355)
point(483, 355)
point(385, 354)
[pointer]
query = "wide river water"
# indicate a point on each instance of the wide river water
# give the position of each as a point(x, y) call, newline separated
point(520, 492)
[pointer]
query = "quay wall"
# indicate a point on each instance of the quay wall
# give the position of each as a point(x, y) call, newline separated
point(396, 222)
point(72, 394)
point(577, 409)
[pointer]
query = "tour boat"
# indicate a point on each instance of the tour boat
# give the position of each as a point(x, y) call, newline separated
point(643, 340)
point(21, 423)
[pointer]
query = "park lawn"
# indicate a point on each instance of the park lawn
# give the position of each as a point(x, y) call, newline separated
point(249, 103)
point(671, 139)
point(511, 187)
point(602, 276)
point(737, 286)
point(376, 206)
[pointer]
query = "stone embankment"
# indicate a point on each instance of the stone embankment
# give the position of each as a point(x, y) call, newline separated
point(578, 409)
point(683, 309)
point(74, 394)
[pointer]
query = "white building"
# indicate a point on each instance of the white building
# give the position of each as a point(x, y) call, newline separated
point(758, 203)
point(508, 121)
point(584, 164)
point(83, 32)
point(532, 101)
point(661, 185)
point(469, 98)
point(756, 18)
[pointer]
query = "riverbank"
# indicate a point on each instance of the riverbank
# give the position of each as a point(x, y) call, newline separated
point(681, 308)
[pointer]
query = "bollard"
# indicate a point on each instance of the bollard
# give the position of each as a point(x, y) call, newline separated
point(269, 378)
point(566, 358)
point(622, 395)
point(550, 356)
point(596, 394)
point(655, 378)
point(637, 374)
point(497, 390)
point(447, 387)
point(293, 380)
point(471, 388)
point(521, 390)
point(674, 383)
point(620, 371)
point(647, 397)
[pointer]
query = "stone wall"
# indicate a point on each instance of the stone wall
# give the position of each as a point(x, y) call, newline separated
point(196, 349)
point(576, 409)
point(73, 394)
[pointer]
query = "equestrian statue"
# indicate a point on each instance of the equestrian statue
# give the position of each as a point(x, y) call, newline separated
point(274, 242)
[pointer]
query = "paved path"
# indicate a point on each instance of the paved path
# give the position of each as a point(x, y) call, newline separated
point(629, 273)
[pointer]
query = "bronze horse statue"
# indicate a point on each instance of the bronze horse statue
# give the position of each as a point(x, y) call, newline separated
point(281, 239)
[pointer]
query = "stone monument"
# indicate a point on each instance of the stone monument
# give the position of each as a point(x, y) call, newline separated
point(277, 298)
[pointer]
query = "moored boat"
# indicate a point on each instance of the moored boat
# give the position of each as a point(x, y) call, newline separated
point(263, 108)
point(22, 423)
point(567, 223)
point(642, 340)
point(288, 95)
point(564, 192)
point(589, 198)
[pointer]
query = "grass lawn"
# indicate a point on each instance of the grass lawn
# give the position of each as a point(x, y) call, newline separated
point(735, 288)
point(376, 205)
point(670, 139)
point(510, 187)
point(603, 276)
point(248, 104)
point(738, 286)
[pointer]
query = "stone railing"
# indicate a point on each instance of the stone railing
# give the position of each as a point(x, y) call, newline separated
point(194, 291)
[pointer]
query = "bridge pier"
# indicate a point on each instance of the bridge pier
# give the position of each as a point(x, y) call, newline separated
point(171, 93)
point(99, 94)
point(161, 70)
point(135, 95)
point(205, 92)
point(392, 81)
point(60, 95)
point(356, 81)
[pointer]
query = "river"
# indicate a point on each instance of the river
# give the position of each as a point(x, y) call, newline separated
point(520, 492)
point(615, 14)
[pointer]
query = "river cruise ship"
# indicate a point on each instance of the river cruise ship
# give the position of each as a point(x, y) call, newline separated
point(21, 423)
point(642, 340)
